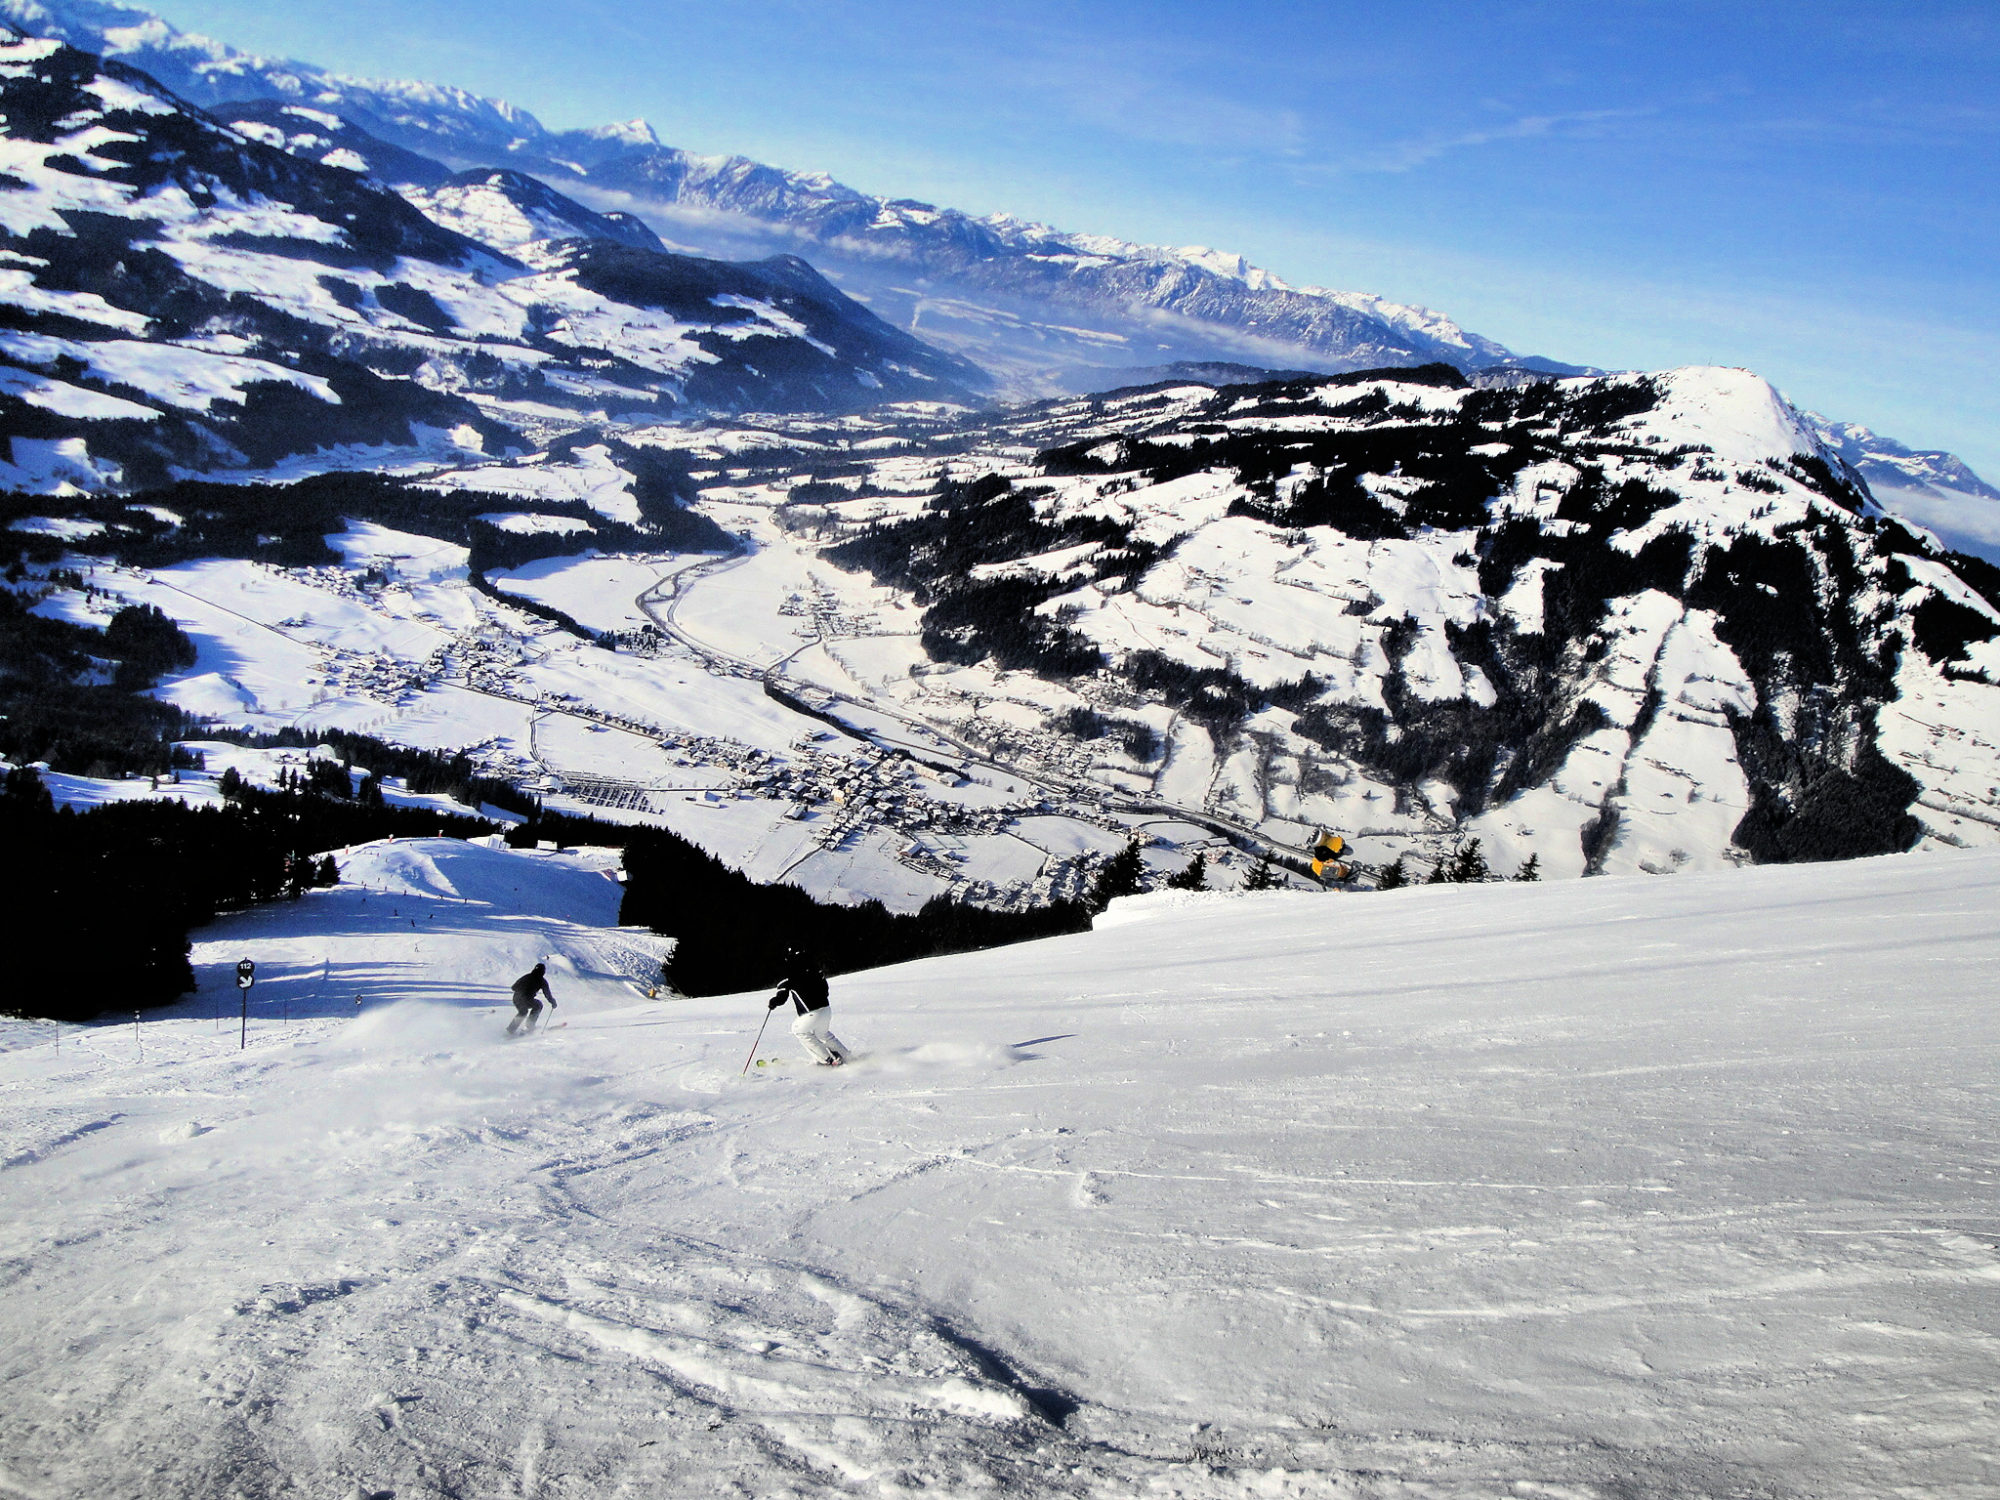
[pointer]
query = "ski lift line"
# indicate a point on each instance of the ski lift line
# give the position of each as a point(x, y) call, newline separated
point(158, 582)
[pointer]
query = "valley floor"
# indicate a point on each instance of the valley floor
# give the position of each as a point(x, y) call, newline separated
point(1678, 1187)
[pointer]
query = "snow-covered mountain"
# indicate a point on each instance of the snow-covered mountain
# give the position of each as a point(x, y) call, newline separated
point(1630, 623)
point(498, 207)
point(1043, 307)
point(1044, 310)
point(205, 72)
point(1617, 625)
point(183, 297)
point(1607, 623)
point(1647, 1189)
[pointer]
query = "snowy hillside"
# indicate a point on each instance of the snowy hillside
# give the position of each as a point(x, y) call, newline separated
point(1622, 626)
point(1646, 1189)
point(182, 297)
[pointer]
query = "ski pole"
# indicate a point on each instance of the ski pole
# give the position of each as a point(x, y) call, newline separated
point(754, 1045)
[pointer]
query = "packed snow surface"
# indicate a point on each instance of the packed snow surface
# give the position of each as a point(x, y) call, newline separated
point(1622, 1188)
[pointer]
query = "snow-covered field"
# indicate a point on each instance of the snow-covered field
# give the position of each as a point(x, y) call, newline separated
point(420, 658)
point(1617, 1188)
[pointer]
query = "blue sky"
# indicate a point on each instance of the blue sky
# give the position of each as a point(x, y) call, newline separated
point(1808, 190)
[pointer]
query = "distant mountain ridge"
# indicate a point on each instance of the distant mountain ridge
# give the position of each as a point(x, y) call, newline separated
point(1935, 489)
point(179, 297)
point(1885, 461)
point(1046, 311)
point(498, 206)
point(1046, 308)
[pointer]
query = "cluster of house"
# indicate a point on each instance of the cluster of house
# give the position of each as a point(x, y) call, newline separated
point(825, 616)
point(1043, 752)
point(374, 673)
point(870, 788)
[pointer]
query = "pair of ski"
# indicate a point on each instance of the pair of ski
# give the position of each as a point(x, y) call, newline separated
point(770, 1061)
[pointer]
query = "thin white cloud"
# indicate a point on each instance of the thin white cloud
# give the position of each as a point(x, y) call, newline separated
point(1416, 151)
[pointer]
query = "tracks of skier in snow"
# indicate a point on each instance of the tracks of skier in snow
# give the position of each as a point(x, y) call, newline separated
point(554, 1340)
point(743, 1365)
point(29, 1154)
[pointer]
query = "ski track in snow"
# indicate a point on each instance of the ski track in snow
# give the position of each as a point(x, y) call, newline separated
point(1626, 1188)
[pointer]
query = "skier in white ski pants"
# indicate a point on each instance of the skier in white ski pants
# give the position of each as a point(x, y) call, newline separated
point(814, 1030)
point(805, 987)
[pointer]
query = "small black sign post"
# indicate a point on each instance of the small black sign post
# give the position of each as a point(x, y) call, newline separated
point(246, 975)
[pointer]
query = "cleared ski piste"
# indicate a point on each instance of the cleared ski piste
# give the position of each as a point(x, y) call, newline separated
point(1666, 1187)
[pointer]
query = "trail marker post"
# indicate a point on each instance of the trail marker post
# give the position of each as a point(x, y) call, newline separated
point(246, 975)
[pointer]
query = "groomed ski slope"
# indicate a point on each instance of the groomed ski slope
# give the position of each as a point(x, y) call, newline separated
point(1620, 1188)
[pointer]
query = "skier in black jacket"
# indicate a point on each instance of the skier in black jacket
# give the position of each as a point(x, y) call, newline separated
point(805, 986)
point(527, 1005)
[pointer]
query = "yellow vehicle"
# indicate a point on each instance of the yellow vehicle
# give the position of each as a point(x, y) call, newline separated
point(1326, 863)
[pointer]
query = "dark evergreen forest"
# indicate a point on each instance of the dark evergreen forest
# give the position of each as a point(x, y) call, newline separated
point(108, 896)
point(287, 524)
point(71, 694)
point(732, 932)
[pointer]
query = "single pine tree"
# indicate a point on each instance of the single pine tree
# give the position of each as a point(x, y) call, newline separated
point(1193, 878)
point(23, 796)
point(1263, 877)
point(1397, 875)
point(1119, 876)
point(1468, 865)
point(1531, 868)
